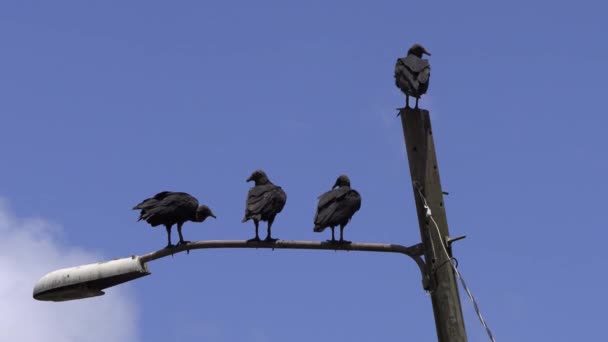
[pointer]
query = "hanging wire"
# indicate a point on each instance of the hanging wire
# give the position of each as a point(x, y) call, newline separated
point(454, 264)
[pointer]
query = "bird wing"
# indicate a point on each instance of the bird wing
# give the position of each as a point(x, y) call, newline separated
point(337, 206)
point(324, 216)
point(279, 199)
point(412, 75)
point(180, 203)
point(258, 197)
point(265, 200)
point(164, 194)
point(168, 206)
point(414, 64)
point(424, 75)
point(332, 196)
point(352, 200)
point(405, 79)
point(152, 201)
point(346, 207)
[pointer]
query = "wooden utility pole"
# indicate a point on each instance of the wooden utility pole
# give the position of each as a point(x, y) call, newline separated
point(425, 178)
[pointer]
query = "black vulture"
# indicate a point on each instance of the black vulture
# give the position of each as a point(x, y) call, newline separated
point(336, 207)
point(264, 201)
point(412, 73)
point(169, 208)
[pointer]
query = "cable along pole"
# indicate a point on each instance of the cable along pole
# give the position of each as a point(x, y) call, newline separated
point(424, 173)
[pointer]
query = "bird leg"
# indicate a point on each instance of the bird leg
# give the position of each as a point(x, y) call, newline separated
point(333, 237)
point(169, 244)
point(407, 105)
point(257, 237)
point(342, 235)
point(269, 237)
point(181, 237)
point(416, 103)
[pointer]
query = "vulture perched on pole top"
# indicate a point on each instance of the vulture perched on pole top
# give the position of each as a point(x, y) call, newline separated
point(412, 73)
point(264, 201)
point(168, 208)
point(336, 207)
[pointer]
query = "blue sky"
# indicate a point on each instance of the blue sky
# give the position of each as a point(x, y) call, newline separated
point(104, 104)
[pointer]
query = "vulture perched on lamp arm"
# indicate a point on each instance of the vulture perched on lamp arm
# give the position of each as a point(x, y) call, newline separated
point(168, 208)
point(264, 201)
point(336, 207)
point(412, 73)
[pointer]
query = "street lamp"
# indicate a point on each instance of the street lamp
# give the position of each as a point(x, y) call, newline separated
point(87, 281)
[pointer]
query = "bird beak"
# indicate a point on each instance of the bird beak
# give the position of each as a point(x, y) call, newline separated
point(250, 179)
point(426, 52)
point(335, 185)
point(213, 216)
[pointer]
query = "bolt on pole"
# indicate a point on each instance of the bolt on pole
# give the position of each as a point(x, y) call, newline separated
point(424, 173)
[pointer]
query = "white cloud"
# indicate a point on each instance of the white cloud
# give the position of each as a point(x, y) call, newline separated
point(29, 249)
